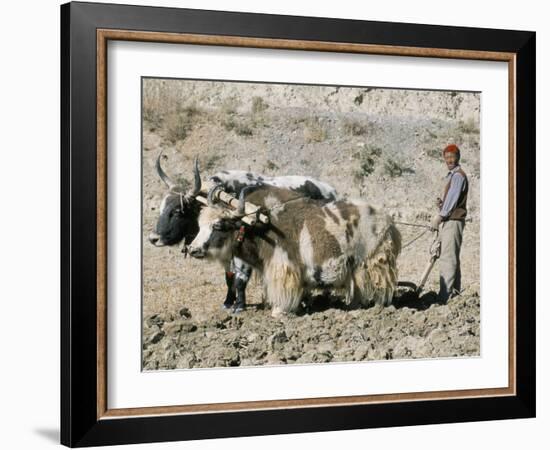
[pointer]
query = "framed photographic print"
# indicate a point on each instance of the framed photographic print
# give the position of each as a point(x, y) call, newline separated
point(278, 224)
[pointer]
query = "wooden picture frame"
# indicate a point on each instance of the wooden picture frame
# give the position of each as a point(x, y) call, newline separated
point(86, 419)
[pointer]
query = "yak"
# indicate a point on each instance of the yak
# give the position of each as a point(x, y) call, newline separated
point(344, 246)
point(179, 213)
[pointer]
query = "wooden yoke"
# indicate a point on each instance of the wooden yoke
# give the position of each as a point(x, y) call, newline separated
point(251, 216)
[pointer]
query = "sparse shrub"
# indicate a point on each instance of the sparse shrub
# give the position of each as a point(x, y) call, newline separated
point(177, 127)
point(189, 111)
point(179, 124)
point(153, 117)
point(468, 126)
point(212, 161)
point(258, 105)
point(358, 100)
point(368, 157)
point(375, 151)
point(243, 129)
point(431, 134)
point(240, 128)
point(394, 169)
point(314, 131)
point(367, 165)
point(229, 106)
point(355, 128)
point(270, 165)
point(434, 152)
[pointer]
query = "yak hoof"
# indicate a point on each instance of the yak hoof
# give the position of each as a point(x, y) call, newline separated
point(277, 313)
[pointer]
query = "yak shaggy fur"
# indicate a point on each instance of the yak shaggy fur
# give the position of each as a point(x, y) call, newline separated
point(347, 247)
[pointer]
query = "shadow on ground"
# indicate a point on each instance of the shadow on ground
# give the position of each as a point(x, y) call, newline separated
point(50, 434)
point(410, 299)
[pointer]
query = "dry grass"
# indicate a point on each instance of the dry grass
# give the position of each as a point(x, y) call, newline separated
point(434, 152)
point(179, 124)
point(355, 128)
point(468, 126)
point(394, 168)
point(259, 105)
point(314, 131)
point(271, 166)
point(240, 126)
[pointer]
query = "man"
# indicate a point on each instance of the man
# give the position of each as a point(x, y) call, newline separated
point(452, 214)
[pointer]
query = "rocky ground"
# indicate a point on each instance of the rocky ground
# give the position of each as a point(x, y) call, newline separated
point(380, 144)
point(328, 334)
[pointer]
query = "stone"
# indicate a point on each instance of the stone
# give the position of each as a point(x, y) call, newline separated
point(155, 319)
point(157, 337)
point(277, 339)
point(360, 353)
point(172, 328)
point(186, 361)
point(188, 327)
point(184, 312)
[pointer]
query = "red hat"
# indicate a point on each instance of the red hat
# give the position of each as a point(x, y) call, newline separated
point(451, 148)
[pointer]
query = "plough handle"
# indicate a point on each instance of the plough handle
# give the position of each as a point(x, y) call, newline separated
point(435, 251)
point(426, 273)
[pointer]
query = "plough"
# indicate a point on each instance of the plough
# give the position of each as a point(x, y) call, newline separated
point(435, 253)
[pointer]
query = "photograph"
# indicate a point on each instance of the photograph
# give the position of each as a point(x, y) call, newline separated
point(307, 224)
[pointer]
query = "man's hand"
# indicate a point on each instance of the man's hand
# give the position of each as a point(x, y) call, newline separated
point(436, 221)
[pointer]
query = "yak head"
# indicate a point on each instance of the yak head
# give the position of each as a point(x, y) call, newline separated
point(218, 228)
point(179, 211)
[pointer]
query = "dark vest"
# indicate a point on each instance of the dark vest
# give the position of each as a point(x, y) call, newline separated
point(459, 212)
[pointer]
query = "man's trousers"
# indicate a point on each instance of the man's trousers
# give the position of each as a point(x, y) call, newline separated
point(449, 261)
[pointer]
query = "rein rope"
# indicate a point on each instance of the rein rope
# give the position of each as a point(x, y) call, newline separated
point(414, 239)
point(426, 227)
point(239, 237)
point(417, 225)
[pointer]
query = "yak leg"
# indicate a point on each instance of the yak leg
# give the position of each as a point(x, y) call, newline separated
point(242, 275)
point(381, 273)
point(231, 294)
point(356, 289)
point(284, 287)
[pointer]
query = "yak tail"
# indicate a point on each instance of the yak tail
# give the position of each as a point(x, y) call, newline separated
point(379, 277)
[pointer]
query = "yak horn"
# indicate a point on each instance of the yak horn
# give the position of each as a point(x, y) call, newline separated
point(197, 181)
point(211, 193)
point(241, 207)
point(163, 175)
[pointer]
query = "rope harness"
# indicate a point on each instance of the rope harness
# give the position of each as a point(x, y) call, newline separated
point(239, 236)
point(278, 205)
point(241, 232)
